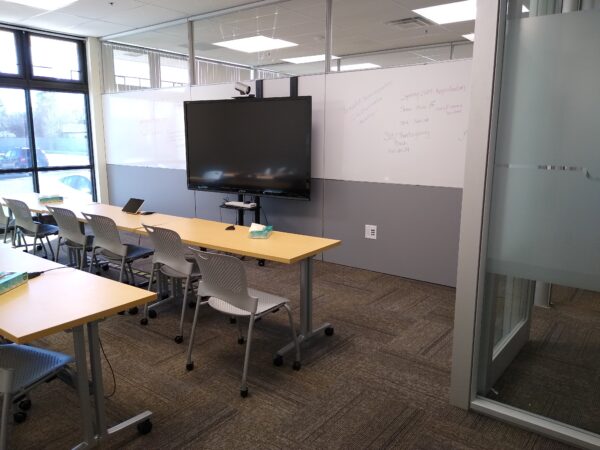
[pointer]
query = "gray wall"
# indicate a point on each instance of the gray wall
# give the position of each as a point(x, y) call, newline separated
point(417, 226)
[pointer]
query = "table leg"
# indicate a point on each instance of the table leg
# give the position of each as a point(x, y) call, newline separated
point(103, 432)
point(83, 388)
point(307, 331)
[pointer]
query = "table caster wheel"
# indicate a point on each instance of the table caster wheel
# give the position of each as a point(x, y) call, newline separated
point(144, 427)
point(179, 339)
point(232, 320)
point(19, 417)
point(261, 262)
point(133, 311)
point(144, 321)
point(297, 365)
point(241, 340)
point(152, 314)
point(121, 313)
point(244, 393)
point(189, 366)
point(329, 331)
point(278, 360)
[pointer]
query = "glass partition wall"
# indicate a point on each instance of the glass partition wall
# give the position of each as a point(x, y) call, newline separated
point(281, 39)
point(537, 341)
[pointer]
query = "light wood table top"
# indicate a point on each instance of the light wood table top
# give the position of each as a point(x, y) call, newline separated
point(33, 202)
point(58, 300)
point(282, 247)
point(126, 221)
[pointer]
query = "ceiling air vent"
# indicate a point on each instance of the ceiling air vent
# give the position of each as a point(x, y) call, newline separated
point(412, 23)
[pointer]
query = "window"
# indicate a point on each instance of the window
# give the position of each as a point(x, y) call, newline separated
point(44, 117)
point(8, 63)
point(55, 58)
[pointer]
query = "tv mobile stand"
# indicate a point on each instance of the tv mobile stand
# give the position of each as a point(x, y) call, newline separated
point(242, 209)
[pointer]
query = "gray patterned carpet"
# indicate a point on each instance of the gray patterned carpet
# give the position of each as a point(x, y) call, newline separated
point(381, 381)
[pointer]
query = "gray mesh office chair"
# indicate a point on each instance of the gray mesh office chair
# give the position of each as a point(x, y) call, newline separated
point(169, 259)
point(108, 242)
point(26, 226)
point(72, 231)
point(7, 224)
point(21, 369)
point(224, 280)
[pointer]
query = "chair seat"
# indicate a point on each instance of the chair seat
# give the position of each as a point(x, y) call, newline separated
point(133, 252)
point(266, 302)
point(44, 229)
point(166, 270)
point(89, 238)
point(30, 364)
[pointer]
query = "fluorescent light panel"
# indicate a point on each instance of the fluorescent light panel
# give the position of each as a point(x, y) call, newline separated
point(356, 67)
point(449, 12)
point(470, 36)
point(308, 59)
point(48, 5)
point(255, 44)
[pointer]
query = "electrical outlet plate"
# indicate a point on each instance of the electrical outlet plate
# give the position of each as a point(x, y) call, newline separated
point(371, 231)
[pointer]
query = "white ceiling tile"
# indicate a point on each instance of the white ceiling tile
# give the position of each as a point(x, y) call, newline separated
point(195, 7)
point(11, 12)
point(100, 9)
point(143, 16)
point(97, 28)
point(54, 20)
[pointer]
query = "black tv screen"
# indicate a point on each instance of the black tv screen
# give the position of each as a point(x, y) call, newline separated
point(250, 146)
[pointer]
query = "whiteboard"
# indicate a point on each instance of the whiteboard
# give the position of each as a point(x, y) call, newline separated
point(145, 128)
point(404, 125)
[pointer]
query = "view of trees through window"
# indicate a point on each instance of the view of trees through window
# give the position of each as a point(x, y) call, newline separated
point(44, 137)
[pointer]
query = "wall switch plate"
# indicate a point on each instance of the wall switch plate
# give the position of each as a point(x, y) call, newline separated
point(371, 231)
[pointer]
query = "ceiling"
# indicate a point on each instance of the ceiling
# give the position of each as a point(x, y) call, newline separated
point(358, 26)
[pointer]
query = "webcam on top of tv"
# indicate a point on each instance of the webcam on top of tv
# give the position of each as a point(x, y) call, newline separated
point(243, 89)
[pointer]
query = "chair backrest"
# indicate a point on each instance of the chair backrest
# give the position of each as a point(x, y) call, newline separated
point(22, 215)
point(68, 225)
point(3, 216)
point(106, 234)
point(168, 249)
point(224, 277)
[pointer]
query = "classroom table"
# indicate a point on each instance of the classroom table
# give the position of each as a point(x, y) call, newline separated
point(287, 248)
point(65, 299)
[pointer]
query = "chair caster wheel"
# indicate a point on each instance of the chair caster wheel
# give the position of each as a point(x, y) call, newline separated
point(152, 314)
point(179, 339)
point(25, 405)
point(189, 366)
point(244, 392)
point(297, 365)
point(261, 262)
point(144, 427)
point(278, 360)
point(144, 321)
point(232, 320)
point(121, 313)
point(329, 331)
point(191, 305)
point(105, 267)
point(19, 417)
point(241, 340)
point(133, 311)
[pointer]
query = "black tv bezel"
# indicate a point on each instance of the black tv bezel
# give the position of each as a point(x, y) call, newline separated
point(255, 192)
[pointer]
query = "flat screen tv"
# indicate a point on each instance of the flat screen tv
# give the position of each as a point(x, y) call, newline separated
point(258, 146)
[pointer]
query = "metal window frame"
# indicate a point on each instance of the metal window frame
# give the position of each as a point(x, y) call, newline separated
point(27, 82)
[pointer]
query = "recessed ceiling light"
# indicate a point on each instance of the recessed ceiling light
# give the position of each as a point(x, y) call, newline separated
point(449, 12)
point(356, 67)
point(470, 36)
point(255, 44)
point(48, 5)
point(308, 59)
